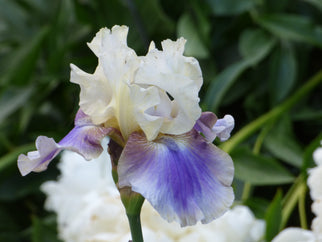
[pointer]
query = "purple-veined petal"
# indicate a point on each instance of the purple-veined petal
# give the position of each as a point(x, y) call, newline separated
point(224, 126)
point(184, 177)
point(204, 125)
point(84, 139)
point(211, 126)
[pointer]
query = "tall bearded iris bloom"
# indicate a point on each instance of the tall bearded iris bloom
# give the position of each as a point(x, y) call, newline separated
point(160, 141)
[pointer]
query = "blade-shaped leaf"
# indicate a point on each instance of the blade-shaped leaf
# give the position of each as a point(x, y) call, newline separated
point(23, 61)
point(259, 170)
point(282, 74)
point(194, 46)
point(253, 50)
point(281, 142)
point(292, 27)
point(230, 7)
point(254, 44)
point(273, 217)
point(316, 3)
point(12, 99)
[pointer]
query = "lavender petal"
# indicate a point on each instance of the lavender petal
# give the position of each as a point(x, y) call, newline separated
point(184, 177)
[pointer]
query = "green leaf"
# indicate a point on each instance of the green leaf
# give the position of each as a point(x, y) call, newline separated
point(281, 142)
point(308, 153)
point(23, 61)
point(223, 82)
point(254, 44)
point(11, 158)
point(12, 15)
point(275, 5)
point(258, 206)
point(273, 217)
point(230, 7)
point(188, 29)
point(44, 230)
point(282, 73)
point(307, 114)
point(259, 170)
point(155, 18)
point(316, 3)
point(253, 50)
point(12, 99)
point(292, 27)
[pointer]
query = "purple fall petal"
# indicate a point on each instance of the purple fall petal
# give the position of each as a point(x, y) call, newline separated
point(224, 126)
point(204, 125)
point(184, 177)
point(38, 160)
point(211, 127)
point(84, 139)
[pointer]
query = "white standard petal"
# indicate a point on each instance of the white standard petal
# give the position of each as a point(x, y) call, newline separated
point(151, 106)
point(177, 76)
point(96, 95)
point(105, 95)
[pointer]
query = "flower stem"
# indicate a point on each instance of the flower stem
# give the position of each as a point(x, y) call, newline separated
point(135, 227)
point(252, 127)
point(292, 198)
point(302, 211)
point(133, 202)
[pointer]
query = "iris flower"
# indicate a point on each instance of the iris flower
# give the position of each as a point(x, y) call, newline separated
point(149, 107)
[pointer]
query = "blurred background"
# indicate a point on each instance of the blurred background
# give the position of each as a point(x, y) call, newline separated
point(254, 54)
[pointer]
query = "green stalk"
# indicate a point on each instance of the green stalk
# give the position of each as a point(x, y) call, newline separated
point(135, 227)
point(302, 210)
point(252, 127)
point(133, 202)
point(291, 199)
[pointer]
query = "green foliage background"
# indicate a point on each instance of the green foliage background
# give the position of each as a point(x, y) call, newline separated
point(256, 56)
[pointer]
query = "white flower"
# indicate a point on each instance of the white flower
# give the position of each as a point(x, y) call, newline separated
point(131, 92)
point(294, 235)
point(149, 107)
point(89, 209)
point(314, 182)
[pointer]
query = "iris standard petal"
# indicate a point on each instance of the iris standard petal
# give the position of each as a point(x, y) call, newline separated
point(96, 94)
point(211, 127)
point(184, 177)
point(105, 95)
point(178, 76)
point(84, 139)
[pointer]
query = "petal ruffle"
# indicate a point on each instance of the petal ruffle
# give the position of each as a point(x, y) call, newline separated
point(211, 127)
point(84, 139)
point(185, 178)
point(105, 95)
point(177, 76)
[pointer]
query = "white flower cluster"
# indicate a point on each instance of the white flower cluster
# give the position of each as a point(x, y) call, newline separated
point(89, 209)
point(314, 182)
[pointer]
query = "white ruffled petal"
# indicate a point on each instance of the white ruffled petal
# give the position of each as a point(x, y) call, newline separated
point(178, 76)
point(105, 95)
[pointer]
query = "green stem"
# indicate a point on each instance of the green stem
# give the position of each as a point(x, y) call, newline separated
point(135, 227)
point(246, 191)
point(252, 127)
point(302, 211)
point(133, 202)
point(291, 199)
